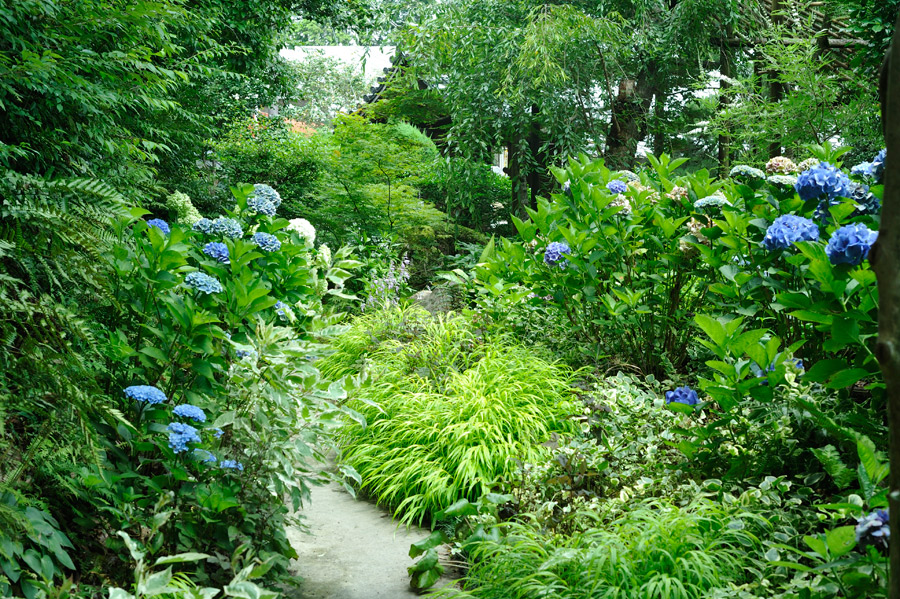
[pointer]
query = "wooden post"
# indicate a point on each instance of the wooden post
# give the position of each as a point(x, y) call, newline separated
point(885, 261)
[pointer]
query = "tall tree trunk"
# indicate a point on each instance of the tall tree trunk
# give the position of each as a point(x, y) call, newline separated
point(539, 174)
point(885, 260)
point(627, 124)
point(515, 172)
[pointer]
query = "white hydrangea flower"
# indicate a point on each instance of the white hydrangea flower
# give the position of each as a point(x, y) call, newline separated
point(325, 254)
point(304, 229)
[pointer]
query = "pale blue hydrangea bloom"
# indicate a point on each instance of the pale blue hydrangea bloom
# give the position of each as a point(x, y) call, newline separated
point(188, 411)
point(232, 464)
point(159, 224)
point(710, 202)
point(742, 172)
point(615, 186)
point(217, 251)
point(203, 282)
point(878, 166)
point(228, 227)
point(555, 252)
point(874, 529)
point(266, 242)
point(789, 229)
point(180, 435)
point(145, 393)
point(204, 225)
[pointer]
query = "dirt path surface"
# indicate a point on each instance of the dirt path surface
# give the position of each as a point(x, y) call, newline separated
point(354, 550)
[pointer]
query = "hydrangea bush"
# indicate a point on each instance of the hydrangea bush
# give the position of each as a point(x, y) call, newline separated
point(194, 301)
point(747, 246)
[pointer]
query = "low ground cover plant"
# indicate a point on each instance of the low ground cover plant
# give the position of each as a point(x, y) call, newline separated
point(655, 550)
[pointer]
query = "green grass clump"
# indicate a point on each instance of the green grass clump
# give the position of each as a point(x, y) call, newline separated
point(656, 550)
point(368, 332)
point(449, 414)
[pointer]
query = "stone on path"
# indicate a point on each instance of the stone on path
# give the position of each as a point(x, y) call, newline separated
point(353, 549)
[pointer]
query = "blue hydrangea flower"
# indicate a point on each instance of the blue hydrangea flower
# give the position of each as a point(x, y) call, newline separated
point(266, 194)
point(227, 226)
point(203, 282)
point(204, 456)
point(742, 172)
point(180, 435)
point(217, 432)
point(145, 393)
point(232, 464)
point(850, 244)
point(615, 186)
point(878, 166)
point(684, 395)
point(863, 169)
point(260, 205)
point(204, 225)
point(186, 410)
point(555, 252)
point(266, 242)
point(759, 373)
point(874, 529)
point(159, 224)
point(244, 353)
point(866, 202)
point(823, 180)
point(217, 251)
point(279, 309)
point(789, 229)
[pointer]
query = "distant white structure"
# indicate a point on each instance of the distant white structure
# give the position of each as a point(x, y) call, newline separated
point(374, 58)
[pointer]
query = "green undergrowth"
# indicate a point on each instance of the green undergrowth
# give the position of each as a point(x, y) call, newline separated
point(655, 550)
point(449, 413)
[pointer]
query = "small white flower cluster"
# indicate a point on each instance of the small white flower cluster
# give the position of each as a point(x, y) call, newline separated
point(181, 205)
point(693, 226)
point(304, 229)
point(677, 193)
point(781, 165)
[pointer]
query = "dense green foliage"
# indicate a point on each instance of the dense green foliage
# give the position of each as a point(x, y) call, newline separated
point(233, 346)
point(447, 413)
point(655, 550)
point(169, 388)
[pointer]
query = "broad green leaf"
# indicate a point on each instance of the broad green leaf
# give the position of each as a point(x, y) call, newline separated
point(435, 539)
point(180, 558)
point(712, 327)
point(816, 544)
point(841, 540)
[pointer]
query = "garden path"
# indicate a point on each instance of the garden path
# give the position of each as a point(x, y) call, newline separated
point(354, 551)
